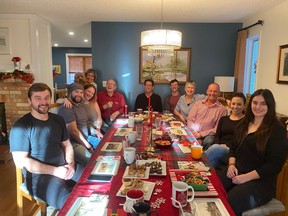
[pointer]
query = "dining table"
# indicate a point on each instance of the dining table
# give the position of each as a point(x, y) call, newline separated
point(160, 199)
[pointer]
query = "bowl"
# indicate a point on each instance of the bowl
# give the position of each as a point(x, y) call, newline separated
point(138, 120)
point(163, 142)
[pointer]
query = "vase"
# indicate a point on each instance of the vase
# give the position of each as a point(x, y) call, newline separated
point(17, 65)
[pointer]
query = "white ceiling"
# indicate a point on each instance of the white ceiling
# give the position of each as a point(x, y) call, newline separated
point(75, 15)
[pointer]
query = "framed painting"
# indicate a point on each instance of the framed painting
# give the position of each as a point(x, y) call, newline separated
point(4, 41)
point(162, 69)
point(282, 73)
point(57, 69)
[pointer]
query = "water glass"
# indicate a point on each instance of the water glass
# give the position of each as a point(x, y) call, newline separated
point(139, 131)
point(158, 123)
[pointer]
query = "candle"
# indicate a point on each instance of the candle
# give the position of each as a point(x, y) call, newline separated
point(148, 101)
point(151, 115)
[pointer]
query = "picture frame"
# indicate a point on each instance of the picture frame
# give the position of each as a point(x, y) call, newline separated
point(57, 69)
point(209, 207)
point(112, 147)
point(282, 72)
point(162, 69)
point(4, 41)
point(106, 167)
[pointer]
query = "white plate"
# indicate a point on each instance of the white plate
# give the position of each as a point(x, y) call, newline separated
point(147, 187)
point(146, 111)
point(176, 124)
point(178, 131)
point(163, 164)
point(146, 176)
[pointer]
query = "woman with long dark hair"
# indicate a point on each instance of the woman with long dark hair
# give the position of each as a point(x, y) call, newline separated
point(257, 156)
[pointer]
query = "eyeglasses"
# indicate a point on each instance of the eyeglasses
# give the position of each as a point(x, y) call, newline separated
point(148, 85)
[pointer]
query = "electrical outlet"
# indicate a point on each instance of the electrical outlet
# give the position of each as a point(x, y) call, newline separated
point(104, 83)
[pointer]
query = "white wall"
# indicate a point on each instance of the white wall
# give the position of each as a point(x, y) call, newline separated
point(273, 34)
point(30, 39)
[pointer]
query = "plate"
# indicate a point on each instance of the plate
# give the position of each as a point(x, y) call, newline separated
point(147, 187)
point(163, 164)
point(146, 175)
point(178, 131)
point(176, 124)
point(211, 191)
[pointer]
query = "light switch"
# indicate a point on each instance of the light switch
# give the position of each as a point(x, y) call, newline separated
point(104, 83)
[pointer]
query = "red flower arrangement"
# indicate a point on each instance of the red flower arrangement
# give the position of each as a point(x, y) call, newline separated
point(28, 77)
point(16, 59)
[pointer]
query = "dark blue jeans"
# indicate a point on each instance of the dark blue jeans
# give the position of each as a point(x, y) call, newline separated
point(51, 189)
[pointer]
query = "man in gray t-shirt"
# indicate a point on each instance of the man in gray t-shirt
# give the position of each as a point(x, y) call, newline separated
point(77, 121)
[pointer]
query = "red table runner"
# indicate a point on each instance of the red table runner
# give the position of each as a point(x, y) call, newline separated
point(171, 155)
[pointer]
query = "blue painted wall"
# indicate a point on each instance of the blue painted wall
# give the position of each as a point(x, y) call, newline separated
point(59, 58)
point(115, 51)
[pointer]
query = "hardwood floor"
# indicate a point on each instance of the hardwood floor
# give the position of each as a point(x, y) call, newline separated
point(8, 190)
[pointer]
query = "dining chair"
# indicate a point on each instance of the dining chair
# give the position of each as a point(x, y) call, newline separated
point(277, 206)
point(22, 193)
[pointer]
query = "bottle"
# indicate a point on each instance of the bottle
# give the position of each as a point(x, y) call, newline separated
point(125, 111)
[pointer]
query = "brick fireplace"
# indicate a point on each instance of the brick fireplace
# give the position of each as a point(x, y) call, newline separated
point(13, 92)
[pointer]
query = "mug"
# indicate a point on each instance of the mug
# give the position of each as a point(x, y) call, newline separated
point(133, 196)
point(129, 155)
point(142, 209)
point(180, 194)
point(139, 111)
point(196, 151)
point(132, 136)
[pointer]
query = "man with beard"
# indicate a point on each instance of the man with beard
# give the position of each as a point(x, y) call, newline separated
point(76, 119)
point(40, 146)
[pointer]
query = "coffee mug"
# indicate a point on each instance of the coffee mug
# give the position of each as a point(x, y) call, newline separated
point(142, 209)
point(132, 136)
point(129, 155)
point(180, 194)
point(133, 196)
point(196, 151)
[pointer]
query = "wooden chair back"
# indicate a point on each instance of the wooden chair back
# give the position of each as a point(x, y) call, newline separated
point(22, 193)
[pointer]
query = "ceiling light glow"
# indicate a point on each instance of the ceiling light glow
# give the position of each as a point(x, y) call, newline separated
point(86, 40)
point(71, 33)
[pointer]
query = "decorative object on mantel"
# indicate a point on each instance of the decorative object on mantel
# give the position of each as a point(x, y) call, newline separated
point(18, 74)
point(17, 62)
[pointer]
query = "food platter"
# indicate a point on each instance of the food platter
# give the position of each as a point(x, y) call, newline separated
point(147, 188)
point(177, 175)
point(151, 162)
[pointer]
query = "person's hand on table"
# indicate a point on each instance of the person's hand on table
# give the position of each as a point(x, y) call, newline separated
point(232, 171)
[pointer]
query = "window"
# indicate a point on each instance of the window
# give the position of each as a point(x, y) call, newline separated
point(252, 45)
point(77, 63)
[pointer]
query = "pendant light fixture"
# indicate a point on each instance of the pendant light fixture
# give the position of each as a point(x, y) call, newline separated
point(161, 42)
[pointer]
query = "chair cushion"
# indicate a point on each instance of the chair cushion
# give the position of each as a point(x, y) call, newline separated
point(25, 190)
point(273, 206)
